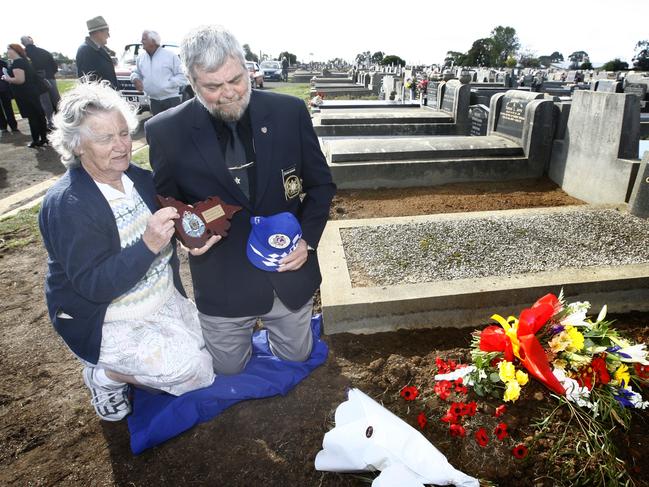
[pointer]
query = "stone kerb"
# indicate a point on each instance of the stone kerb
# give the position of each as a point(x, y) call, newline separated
point(527, 118)
point(455, 99)
point(597, 159)
point(460, 302)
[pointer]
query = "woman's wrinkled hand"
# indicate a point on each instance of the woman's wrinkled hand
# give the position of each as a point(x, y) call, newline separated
point(160, 229)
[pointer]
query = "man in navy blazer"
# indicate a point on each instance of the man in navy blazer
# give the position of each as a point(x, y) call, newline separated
point(257, 150)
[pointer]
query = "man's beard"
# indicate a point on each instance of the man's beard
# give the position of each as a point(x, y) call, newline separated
point(227, 116)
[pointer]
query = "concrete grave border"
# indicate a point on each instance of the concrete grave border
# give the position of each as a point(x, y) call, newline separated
point(462, 302)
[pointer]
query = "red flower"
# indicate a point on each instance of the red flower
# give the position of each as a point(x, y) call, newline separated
point(519, 451)
point(501, 431)
point(500, 410)
point(457, 408)
point(443, 389)
point(421, 419)
point(601, 372)
point(470, 408)
point(445, 367)
point(493, 339)
point(457, 430)
point(409, 393)
point(481, 437)
point(586, 377)
point(641, 371)
point(459, 387)
point(449, 417)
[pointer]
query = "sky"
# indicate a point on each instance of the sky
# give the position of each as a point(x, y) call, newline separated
point(419, 32)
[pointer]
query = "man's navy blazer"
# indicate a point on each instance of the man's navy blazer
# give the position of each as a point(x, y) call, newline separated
point(188, 165)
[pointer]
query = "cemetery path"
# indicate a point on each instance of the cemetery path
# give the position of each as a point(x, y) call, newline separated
point(49, 433)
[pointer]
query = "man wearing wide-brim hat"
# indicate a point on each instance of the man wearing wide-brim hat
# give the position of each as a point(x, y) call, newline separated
point(93, 57)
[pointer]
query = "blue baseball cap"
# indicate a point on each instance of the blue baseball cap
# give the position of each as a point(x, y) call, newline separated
point(271, 239)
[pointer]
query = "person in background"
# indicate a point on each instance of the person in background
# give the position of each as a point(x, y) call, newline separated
point(284, 68)
point(7, 117)
point(93, 57)
point(25, 87)
point(158, 73)
point(258, 150)
point(46, 67)
point(113, 289)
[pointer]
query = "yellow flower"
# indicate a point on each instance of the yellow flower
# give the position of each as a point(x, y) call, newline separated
point(622, 374)
point(512, 391)
point(506, 371)
point(576, 339)
point(559, 342)
point(560, 364)
point(522, 378)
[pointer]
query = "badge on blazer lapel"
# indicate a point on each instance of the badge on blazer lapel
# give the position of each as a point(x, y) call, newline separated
point(292, 183)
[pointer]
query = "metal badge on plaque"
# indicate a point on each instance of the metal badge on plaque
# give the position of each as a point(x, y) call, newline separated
point(198, 222)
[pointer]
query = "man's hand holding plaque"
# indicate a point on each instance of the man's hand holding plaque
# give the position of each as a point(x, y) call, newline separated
point(199, 222)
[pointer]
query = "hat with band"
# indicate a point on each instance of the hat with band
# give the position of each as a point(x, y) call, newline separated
point(95, 24)
point(271, 239)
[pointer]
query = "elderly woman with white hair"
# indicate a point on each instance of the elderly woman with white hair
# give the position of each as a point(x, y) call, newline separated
point(113, 288)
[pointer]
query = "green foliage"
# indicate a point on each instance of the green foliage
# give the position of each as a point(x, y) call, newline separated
point(61, 58)
point(481, 53)
point(393, 59)
point(250, 56)
point(555, 57)
point(454, 58)
point(529, 62)
point(615, 65)
point(19, 230)
point(363, 57)
point(292, 58)
point(586, 65)
point(577, 58)
point(641, 56)
point(377, 57)
point(505, 43)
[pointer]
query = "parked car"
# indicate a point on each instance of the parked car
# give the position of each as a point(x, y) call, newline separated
point(272, 70)
point(256, 74)
point(126, 65)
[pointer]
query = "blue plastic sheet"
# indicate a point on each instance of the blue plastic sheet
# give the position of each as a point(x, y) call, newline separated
point(159, 417)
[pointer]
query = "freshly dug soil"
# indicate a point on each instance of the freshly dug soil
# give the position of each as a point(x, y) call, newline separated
point(50, 435)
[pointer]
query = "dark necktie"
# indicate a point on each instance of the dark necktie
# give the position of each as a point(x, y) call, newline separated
point(235, 159)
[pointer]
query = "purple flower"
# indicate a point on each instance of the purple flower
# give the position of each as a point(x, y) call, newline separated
point(556, 329)
point(622, 396)
point(615, 351)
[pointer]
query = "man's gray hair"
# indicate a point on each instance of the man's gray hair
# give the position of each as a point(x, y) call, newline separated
point(26, 40)
point(85, 99)
point(153, 35)
point(209, 47)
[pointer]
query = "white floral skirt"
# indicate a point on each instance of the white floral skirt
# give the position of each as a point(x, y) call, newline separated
point(164, 351)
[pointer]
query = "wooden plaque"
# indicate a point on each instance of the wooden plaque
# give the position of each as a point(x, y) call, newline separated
point(197, 223)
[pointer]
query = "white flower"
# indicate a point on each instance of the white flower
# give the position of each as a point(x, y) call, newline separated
point(633, 353)
point(636, 400)
point(602, 314)
point(574, 392)
point(576, 314)
point(457, 373)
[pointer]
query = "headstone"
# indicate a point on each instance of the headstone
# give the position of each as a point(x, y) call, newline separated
point(479, 115)
point(433, 90)
point(571, 77)
point(448, 97)
point(638, 89)
point(511, 118)
point(607, 86)
point(639, 201)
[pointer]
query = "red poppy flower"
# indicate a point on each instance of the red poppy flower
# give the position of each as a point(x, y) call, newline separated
point(457, 408)
point(470, 408)
point(519, 451)
point(442, 367)
point(449, 417)
point(482, 437)
point(457, 430)
point(501, 431)
point(443, 389)
point(500, 410)
point(641, 371)
point(422, 420)
point(409, 393)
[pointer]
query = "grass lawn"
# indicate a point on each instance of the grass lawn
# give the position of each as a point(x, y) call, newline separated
point(300, 90)
point(19, 230)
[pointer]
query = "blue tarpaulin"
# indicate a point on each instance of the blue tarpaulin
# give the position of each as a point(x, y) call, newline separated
point(159, 417)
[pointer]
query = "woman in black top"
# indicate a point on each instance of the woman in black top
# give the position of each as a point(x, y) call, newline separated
point(25, 86)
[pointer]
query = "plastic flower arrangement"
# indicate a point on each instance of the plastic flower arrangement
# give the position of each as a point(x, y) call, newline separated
point(422, 85)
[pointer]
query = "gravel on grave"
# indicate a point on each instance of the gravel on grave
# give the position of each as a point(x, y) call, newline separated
point(497, 245)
